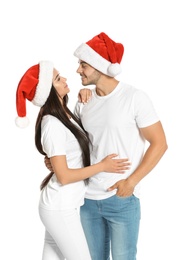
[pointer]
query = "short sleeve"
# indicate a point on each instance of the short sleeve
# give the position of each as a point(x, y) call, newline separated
point(144, 111)
point(53, 136)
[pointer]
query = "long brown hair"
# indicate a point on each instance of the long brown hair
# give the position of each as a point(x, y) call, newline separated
point(54, 107)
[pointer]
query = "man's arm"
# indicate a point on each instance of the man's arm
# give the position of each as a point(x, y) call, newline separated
point(155, 135)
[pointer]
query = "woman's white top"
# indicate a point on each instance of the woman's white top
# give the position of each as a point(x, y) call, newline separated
point(58, 140)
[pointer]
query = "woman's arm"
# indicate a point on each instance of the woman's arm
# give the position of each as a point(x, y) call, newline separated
point(84, 95)
point(66, 175)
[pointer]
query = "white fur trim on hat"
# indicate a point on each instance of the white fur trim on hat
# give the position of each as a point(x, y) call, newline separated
point(45, 83)
point(22, 122)
point(87, 54)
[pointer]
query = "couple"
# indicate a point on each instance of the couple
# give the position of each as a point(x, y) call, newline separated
point(90, 153)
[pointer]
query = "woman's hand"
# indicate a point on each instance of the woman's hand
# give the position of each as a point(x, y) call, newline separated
point(114, 164)
point(48, 164)
point(84, 95)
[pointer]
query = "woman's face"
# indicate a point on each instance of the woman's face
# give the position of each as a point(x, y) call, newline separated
point(60, 84)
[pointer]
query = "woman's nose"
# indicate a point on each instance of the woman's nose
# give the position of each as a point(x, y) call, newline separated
point(64, 79)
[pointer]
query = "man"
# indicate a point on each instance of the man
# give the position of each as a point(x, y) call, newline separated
point(118, 118)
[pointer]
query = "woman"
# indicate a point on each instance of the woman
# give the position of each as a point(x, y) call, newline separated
point(60, 136)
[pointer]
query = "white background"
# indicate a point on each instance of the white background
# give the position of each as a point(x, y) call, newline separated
point(41, 29)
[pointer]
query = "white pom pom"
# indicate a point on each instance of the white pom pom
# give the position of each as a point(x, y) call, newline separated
point(114, 69)
point(22, 122)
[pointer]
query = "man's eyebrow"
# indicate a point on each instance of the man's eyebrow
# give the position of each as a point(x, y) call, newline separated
point(83, 62)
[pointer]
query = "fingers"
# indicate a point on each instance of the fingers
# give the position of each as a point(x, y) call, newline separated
point(84, 95)
point(79, 98)
point(113, 156)
point(122, 165)
point(113, 187)
point(116, 158)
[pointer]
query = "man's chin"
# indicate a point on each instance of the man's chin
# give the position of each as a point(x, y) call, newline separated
point(84, 83)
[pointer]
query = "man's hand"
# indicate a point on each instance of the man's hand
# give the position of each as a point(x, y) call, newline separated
point(124, 188)
point(84, 95)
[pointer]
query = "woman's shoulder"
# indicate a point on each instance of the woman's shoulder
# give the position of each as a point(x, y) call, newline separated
point(51, 121)
point(49, 118)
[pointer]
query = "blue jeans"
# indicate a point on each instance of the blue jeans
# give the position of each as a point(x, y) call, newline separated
point(111, 224)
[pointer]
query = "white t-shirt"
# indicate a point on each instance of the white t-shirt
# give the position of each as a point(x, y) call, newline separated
point(58, 140)
point(113, 123)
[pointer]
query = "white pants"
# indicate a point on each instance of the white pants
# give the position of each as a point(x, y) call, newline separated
point(64, 236)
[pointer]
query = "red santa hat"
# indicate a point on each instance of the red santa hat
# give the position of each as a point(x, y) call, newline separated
point(35, 85)
point(102, 53)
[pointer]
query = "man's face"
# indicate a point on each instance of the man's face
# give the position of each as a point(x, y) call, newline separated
point(89, 75)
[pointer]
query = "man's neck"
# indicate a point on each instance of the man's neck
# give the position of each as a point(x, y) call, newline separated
point(106, 86)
